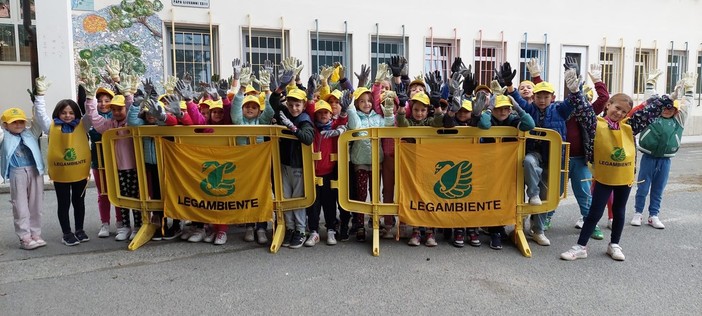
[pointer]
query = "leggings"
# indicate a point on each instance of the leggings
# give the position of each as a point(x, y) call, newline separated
point(129, 187)
point(103, 201)
point(363, 185)
point(68, 193)
point(600, 195)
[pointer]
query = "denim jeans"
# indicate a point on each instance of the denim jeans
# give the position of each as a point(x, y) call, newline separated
point(654, 173)
point(581, 189)
point(532, 174)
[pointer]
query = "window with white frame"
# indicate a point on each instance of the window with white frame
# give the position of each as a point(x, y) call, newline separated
point(677, 65)
point(644, 62)
point(383, 49)
point(527, 53)
point(14, 41)
point(611, 62)
point(194, 50)
point(329, 49)
point(487, 58)
point(439, 55)
point(264, 45)
point(699, 76)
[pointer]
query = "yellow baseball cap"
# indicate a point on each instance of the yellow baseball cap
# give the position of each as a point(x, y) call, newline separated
point(322, 105)
point(543, 86)
point(482, 87)
point(250, 89)
point(527, 82)
point(421, 97)
point(336, 93)
point(502, 100)
point(297, 94)
point(215, 104)
point(117, 100)
point(183, 105)
point(359, 91)
point(254, 99)
point(467, 105)
point(105, 90)
point(676, 104)
point(13, 114)
point(417, 80)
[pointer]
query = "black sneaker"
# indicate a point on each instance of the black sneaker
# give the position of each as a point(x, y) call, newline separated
point(496, 241)
point(157, 234)
point(70, 239)
point(298, 238)
point(458, 238)
point(344, 233)
point(361, 234)
point(288, 237)
point(81, 236)
point(172, 232)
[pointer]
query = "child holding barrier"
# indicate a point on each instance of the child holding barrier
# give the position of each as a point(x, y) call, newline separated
point(68, 160)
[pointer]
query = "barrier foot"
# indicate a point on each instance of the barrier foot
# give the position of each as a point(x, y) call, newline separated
point(279, 233)
point(521, 242)
point(376, 235)
point(143, 236)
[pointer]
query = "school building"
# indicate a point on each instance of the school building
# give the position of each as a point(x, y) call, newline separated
point(157, 38)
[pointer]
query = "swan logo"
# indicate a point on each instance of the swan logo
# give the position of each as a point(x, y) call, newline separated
point(215, 184)
point(618, 154)
point(454, 179)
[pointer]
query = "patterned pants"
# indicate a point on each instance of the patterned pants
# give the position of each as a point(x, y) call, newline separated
point(129, 187)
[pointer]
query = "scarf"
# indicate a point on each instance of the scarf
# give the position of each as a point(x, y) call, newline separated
point(323, 127)
point(66, 127)
point(612, 125)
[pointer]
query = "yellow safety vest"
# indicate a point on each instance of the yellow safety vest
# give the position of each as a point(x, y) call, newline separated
point(68, 154)
point(615, 154)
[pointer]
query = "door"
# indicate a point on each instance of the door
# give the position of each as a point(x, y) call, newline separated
point(580, 55)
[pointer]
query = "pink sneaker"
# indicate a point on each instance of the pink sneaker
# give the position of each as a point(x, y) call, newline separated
point(28, 244)
point(39, 241)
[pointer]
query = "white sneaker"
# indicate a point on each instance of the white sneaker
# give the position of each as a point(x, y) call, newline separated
point(655, 222)
point(221, 238)
point(187, 233)
point(249, 236)
point(29, 244)
point(540, 239)
point(636, 220)
point(261, 237)
point(615, 251)
point(579, 224)
point(312, 240)
point(104, 230)
point(389, 233)
point(331, 237)
point(576, 252)
point(198, 235)
point(609, 223)
point(535, 200)
point(122, 233)
point(209, 237)
point(133, 234)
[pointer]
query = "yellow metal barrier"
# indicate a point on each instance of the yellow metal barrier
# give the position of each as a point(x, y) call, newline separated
point(216, 136)
point(452, 137)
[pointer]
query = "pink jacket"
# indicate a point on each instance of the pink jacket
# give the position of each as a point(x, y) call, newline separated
point(124, 148)
point(388, 144)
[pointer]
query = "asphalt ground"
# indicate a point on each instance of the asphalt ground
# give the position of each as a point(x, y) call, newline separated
point(661, 274)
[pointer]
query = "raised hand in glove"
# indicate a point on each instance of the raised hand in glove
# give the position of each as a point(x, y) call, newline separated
point(571, 63)
point(363, 77)
point(690, 80)
point(89, 83)
point(126, 85)
point(505, 74)
point(285, 78)
point(653, 76)
point(346, 100)
point(222, 88)
point(396, 65)
point(312, 85)
point(236, 67)
point(480, 104)
point(383, 73)
point(595, 73)
point(469, 83)
point(113, 68)
point(457, 65)
point(333, 132)
point(389, 104)
point(212, 91)
point(184, 89)
point(170, 84)
point(324, 74)
point(455, 83)
point(572, 80)
point(534, 67)
point(155, 110)
point(287, 122)
point(245, 75)
point(496, 88)
point(149, 89)
point(173, 102)
point(42, 85)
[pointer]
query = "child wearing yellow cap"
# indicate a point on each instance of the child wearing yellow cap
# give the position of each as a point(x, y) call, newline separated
point(247, 109)
point(659, 142)
point(23, 165)
point(124, 148)
point(104, 97)
point(68, 159)
point(292, 115)
point(614, 164)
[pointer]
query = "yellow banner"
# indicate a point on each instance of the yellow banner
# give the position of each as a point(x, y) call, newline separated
point(217, 184)
point(466, 185)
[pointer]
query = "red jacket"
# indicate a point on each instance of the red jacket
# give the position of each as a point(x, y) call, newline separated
point(326, 146)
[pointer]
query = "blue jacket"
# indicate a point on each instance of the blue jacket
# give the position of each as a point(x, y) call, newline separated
point(361, 150)
point(94, 138)
point(238, 117)
point(9, 143)
point(133, 119)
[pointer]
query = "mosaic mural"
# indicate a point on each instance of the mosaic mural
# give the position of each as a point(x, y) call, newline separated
point(129, 32)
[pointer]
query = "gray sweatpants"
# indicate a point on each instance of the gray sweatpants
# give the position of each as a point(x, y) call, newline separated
point(293, 187)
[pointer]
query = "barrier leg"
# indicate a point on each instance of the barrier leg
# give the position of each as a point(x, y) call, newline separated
point(279, 233)
point(376, 234)
point(145, 233)
point(520, 239)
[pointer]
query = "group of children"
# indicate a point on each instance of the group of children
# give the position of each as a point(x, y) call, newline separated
point(317, 115)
